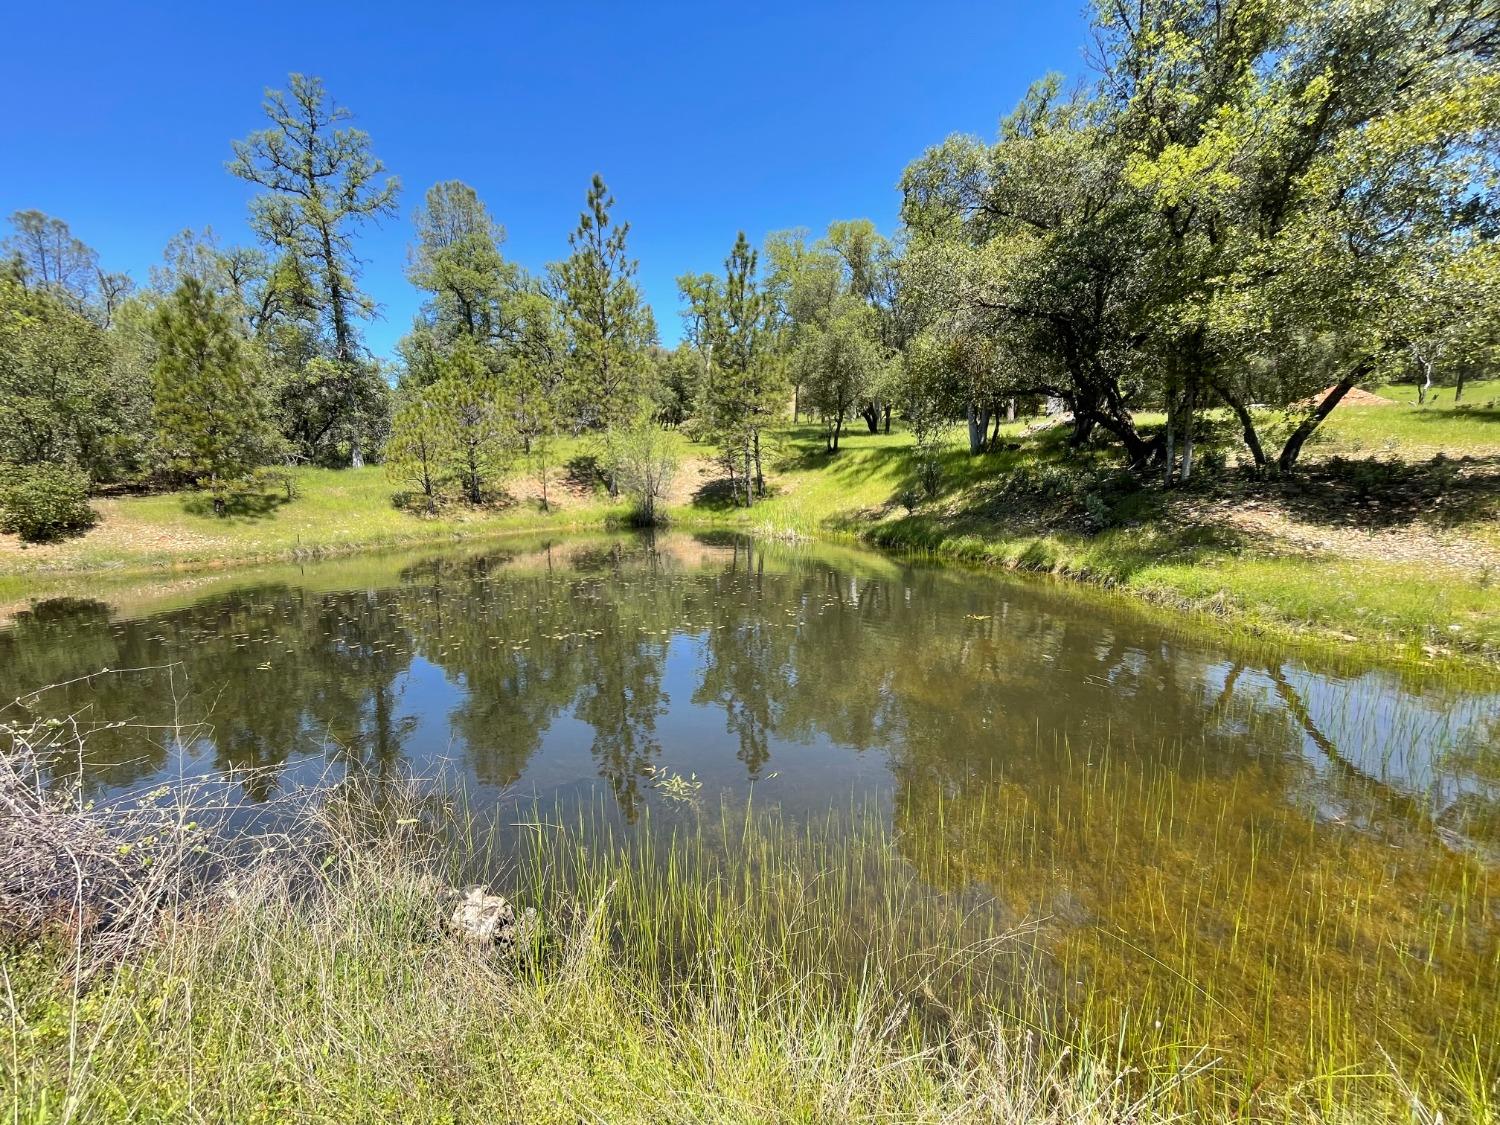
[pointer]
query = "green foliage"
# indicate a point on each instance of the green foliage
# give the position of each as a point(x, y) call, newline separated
point(922, 384)
point(414, 448)
point(644, 461)
point(840, 363)
point(457, 261)
point(676, 383)
point(607, 327)
point(745, 386)
point(1256, 202)
point(477, 439)
point(64, 398)
point(321, 181)
point(460, 428)
point(40, 503)
point(210, 417)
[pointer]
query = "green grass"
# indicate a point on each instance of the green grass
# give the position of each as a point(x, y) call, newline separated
point(1477, 393)
point(717, 966)
point(332, 512)
point(1288, 598)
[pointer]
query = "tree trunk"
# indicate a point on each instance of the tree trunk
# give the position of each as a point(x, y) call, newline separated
point(1171, 458)
point(1083, 427)
point(887, 410)
point(979, 425)
point(1458, 386)
point(356, 458)
point(1187, 441)
point(1010, 410)
point(871, 414)
point(1293, 448)
point(1426, 384)
point(1140, 451)
point(428, 488)
point(1247, 426)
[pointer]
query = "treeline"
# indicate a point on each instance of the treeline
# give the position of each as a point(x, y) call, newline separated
point(1253, 206)
point(1251, 209)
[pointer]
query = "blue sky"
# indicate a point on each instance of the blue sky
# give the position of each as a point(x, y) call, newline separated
point(704, 119)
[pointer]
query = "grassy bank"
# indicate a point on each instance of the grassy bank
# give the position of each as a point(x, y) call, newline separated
point(716, 967)
point(1388, 540)
point(331, 512)
point(1384, 543)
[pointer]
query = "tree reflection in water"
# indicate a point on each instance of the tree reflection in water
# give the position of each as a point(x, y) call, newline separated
point(1253, 846)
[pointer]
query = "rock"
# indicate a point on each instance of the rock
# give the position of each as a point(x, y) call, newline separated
point(486, 919)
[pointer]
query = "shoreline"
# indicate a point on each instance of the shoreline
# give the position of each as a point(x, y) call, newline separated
point(1032, 556)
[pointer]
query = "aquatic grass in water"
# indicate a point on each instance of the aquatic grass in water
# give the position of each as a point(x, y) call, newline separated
point(1308, 983)
point(663, 986)
point(716, 964)
point(1302, 949)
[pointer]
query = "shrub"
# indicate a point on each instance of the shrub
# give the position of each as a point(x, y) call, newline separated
point(1096, 511)
point(645, 465)
point(41, 503)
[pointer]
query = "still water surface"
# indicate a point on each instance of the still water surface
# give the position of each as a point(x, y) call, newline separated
point(1258, 851)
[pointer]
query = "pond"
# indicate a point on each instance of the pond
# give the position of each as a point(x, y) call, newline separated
point(1203, 842)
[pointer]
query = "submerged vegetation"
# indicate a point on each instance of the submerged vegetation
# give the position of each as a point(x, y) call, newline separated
point(735, 966)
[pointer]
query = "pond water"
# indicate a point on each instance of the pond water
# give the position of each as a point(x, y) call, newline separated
point(1269, 857)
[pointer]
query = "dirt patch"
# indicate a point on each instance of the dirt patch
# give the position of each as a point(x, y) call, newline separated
point(1274, 530)
point(572, 487)
point(113, 533)
point(1353, 397)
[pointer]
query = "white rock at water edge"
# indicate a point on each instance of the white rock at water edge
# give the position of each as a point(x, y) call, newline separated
point(486, 919)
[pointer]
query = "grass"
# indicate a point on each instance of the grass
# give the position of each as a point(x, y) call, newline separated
point(1291, 599)
point(716, 965)
point(1024, 508)
point(1478, 393)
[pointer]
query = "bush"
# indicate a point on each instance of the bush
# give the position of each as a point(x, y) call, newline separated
point(41, 503)
point(1090, 494)
point(645, 465)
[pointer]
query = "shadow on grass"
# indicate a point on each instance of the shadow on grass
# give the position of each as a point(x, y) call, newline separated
point(1483, 410)
point(584, 473)
point(717, 495)
point(1112, 557)
point(1382, 493)
point(244, 507)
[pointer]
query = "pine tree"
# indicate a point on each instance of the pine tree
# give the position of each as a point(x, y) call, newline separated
point(745, 387)
point(210, 420)
point(608, 326)
point(475, 422)
point(413, 451)
point(322, 181)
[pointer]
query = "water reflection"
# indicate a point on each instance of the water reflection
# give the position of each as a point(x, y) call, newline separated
point(795, 663)
point(1252, 845)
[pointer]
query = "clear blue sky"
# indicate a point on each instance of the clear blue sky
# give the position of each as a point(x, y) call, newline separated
point(703, 118)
